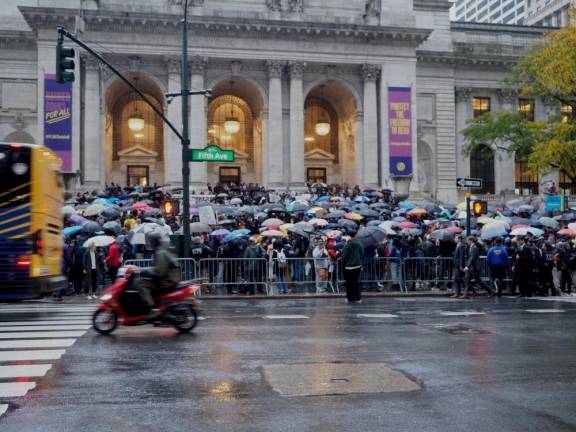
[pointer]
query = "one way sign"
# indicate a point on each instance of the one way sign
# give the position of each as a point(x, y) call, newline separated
point(469, 183)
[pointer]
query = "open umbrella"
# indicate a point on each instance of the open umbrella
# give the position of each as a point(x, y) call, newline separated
point(572, 226)
point(272, 223)
point(71, 231)
point(443, 235)
point(407, 225)
point(110, 213)
point(102, 201)
point(549, 222)
point(353, 216)
point(99, 241)
point(272, 233)
point(336, 214)
point(236, 201)
point(297, 231)
point(298, 206)
point(235, 235)
point(454, 229)
point(113, 227)
point(78, 220)
point(417, 212)
point(153, 213)
point(388, 225)
point(407, 205)
point(493, 230)
point(371, 236)
point(566, 232)
point(91, 227)
point(141, 206)
point(362, 199)
point(333, 234)
point(220, 233)
point(368, 213)
point(68, 211)
point(525, 231)
point(348, 224)
point(411, 232)
point(566, 217)
point(93, 210)
point(305, 226)
point(138, 238)
point(318, 222)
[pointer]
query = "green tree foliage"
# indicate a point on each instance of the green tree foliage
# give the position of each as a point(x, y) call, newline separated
point(547, 71)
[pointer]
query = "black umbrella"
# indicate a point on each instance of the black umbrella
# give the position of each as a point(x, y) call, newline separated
point(110, 213)
point(91, 227)
point(305, 226)
point(297, 231)
point(346, 223)
point(566, 217)
point(336, 214)
point(112, 227)
point(369, 213)
point(153, 213)
point(371, 236)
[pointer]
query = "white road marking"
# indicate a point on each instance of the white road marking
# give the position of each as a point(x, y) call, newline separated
point(15, 389)
point(462, 313)
point(3, 409)
point(556, 299)
point(545, 310)
point(40, 323)
point(37, 370)
point(376, 316)
point(37, 343)
point(44, 328)
point(285, 317)
point(41, 334)
point(31, 355)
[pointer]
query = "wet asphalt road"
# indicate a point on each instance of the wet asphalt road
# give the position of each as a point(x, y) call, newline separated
point(505, 370)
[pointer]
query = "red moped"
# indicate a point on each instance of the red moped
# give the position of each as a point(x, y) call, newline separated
point(121, 302)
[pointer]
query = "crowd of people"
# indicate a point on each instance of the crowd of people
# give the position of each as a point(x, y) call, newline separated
point(326, 236)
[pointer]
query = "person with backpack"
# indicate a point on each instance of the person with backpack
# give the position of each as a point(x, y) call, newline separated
point(280, 260)
point(321, 265)
point(498, 262)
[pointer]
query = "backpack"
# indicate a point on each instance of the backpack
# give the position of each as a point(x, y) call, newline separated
point(281, 257)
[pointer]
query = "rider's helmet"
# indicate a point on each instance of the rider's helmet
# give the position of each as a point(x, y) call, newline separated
point(154, 240)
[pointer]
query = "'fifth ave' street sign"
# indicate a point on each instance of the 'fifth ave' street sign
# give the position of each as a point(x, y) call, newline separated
point(469, 183)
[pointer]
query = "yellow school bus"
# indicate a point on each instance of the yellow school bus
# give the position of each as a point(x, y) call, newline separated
point(30, 221)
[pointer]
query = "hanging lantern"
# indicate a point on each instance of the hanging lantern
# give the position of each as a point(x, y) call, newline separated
point(136, 121)
point(232, 124)
point(322, 126)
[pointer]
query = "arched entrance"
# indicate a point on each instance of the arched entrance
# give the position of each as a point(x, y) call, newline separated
point(134, 134)
point(235, 123)
point(482, 166)
point(330, 113)
point(19, 137)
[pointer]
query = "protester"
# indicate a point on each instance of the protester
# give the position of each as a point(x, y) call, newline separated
point(352, 260)
point(498, 264)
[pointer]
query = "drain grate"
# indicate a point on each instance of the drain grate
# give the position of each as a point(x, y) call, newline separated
point(323, 379)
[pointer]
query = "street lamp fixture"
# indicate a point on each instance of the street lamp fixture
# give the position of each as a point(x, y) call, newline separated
point(322, 128)
point(232, 125)
point(136, 122)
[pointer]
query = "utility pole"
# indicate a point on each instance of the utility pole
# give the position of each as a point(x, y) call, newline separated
point(185, 136)
point(468, 216)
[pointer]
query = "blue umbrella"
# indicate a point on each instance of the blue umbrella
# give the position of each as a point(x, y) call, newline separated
point(234, 235)
point(70, 231)
point(407, 205)
point(323, 198)
point(374, 223)
point(220, 232)
point(102, 201)
point(362, 199)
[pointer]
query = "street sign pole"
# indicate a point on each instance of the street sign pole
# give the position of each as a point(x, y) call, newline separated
point(185, 137)
point(468, 222)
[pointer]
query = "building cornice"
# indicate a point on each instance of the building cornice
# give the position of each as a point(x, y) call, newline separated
point(432, 5)
point(17, 39)
point(505, 61)
point(132, 22)
point(499, 28)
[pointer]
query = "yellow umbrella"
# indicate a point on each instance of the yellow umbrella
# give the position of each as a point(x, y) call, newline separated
point(353, 216)
point(316, 210)
point(285, 227)
point(485, 220)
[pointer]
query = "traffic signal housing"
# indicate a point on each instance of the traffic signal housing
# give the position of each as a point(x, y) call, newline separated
point(170, 208)
point(64, 63)
point(480, 208)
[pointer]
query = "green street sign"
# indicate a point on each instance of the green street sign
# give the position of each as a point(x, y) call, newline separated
point(211, 153)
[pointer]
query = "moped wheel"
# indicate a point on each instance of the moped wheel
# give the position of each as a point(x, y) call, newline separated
point(186, 317)
point(105, 321)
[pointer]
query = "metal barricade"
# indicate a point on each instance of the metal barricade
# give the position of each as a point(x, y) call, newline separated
point(378, 274)
point(228, 276)
point(302, 276)
point(427, 273)
point(188, 266)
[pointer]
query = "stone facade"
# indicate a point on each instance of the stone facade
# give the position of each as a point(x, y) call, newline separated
point(276, 57)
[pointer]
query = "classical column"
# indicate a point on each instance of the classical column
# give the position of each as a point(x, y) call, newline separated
point(504, 163)
point(463, 96)
point(198, 121)
point(173, 147)
point(370, 154)
point(93, 139)
point(274, 144)
point(297, 176)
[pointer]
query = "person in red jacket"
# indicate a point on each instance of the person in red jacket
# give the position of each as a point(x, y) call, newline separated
point(113, 261)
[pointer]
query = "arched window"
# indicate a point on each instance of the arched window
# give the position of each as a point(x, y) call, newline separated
point(482, 166)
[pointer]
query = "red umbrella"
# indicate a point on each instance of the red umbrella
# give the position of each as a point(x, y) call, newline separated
point(520, 226)
point(454, 229)
point(407, 225)
point(141, 206)
point(567, 232)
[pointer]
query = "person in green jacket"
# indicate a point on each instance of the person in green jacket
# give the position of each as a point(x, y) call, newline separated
point(352, 260)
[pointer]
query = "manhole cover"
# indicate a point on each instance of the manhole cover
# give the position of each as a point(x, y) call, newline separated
point(462, 329)
point(322, 379)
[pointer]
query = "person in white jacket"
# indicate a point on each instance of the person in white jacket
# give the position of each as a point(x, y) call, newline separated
point(321, 265)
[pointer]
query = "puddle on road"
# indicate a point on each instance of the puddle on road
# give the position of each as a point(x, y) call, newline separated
point(226, 391)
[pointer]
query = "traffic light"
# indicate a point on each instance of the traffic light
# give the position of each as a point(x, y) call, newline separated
point(170, 208)
point(64, 63)
point(480, 208)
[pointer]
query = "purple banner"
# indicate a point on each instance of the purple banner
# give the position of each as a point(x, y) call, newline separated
point(400, 130)
point(58, 119)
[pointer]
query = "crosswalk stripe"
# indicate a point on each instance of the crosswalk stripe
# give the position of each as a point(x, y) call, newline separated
point(376, 316)
point(31, 355)
point(15, 389)
point(462, 313)
point(545, 310)
point(39, 323)
point(46, 327)
point(285, 317)
point(37, 343)
point(3, 409)
point(40, 334)
point(18, 371)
